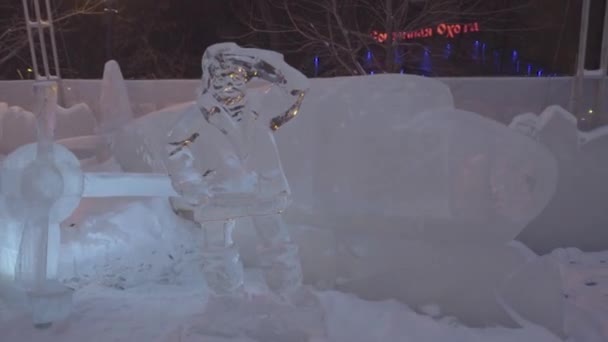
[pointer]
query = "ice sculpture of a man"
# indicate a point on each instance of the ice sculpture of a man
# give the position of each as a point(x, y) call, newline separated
point(223, 160)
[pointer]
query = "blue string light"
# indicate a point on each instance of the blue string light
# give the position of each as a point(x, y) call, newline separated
point(479, 48)
point(448, 51)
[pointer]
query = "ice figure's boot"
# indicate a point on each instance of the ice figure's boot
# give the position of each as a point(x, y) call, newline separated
point(279, 256)
point(222, 265)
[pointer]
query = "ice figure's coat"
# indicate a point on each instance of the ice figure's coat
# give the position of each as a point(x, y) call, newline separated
point(224, 105)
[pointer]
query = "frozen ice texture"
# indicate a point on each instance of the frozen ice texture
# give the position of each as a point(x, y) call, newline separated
point(261, 318)
point(50, 303)
point(114, 104)
point(466, 177)
point(235, 171)
point(41, 186)
point(577, 209)
point(279, 255)
point(18, 126)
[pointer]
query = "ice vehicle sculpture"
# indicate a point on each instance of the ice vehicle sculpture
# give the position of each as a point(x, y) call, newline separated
point(346, 236)
point(238, 172)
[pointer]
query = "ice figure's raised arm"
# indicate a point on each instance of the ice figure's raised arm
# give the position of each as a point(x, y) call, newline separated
point(271, 67)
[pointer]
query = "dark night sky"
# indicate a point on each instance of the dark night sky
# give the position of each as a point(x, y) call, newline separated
point(166, 38)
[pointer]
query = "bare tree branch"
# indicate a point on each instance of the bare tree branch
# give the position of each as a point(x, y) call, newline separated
point(339, 31)
point(13, 32)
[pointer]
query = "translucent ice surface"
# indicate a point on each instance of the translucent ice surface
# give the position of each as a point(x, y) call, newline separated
point(114, 105)
point(441, 166)
point(235, 171)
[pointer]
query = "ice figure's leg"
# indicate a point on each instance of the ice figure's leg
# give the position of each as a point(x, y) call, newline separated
point(222, 265)
point(279, 255)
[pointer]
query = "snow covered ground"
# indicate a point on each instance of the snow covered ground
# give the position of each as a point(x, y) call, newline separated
point(176, 313)
point(151, 290)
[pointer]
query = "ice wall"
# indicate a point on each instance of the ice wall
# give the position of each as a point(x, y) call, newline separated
point(18, 126)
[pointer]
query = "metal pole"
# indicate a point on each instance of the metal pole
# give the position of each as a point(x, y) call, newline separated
point(577, 84)
point(49, 16)
point(30, 37)
point(45, 58)
point(601, 92)
point(40, 25)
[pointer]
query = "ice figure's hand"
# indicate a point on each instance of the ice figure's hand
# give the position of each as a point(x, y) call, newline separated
point(191, 186)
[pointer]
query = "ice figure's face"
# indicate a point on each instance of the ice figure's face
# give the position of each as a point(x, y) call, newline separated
point(223, 78)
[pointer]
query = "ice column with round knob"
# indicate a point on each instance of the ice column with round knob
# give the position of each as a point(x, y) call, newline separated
point(41, 184)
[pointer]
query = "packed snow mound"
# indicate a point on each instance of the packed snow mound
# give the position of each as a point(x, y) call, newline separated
point(171, 313)
point(18, 126)
point(132, 243)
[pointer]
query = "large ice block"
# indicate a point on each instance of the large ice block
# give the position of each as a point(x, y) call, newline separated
point(577, 212)
point(464, 177)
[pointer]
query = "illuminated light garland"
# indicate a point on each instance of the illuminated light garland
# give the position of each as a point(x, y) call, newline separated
point(443, 29)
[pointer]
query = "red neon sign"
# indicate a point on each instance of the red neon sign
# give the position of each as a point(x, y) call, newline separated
point(443, 29)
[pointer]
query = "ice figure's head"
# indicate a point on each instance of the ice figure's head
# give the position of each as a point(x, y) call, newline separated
point(227, 71)
point(229, 63)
